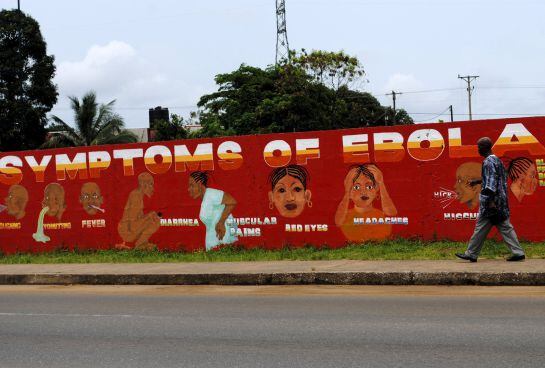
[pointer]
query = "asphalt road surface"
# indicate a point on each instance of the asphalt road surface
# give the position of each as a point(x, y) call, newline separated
point(271, 327)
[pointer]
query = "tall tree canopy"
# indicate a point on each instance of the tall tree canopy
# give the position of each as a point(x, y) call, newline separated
point(333, 69)
point(292, 97)
point(94, 124)
point(170, 130)
point(27, 92)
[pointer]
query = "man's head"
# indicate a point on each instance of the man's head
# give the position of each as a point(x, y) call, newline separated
point(54, 200)
point(90, 198)
point(466, 193)
point(145, 183)
point(484, 146)
point(16, 201)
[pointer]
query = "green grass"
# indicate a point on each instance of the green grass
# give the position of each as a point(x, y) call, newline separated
point(390, 250)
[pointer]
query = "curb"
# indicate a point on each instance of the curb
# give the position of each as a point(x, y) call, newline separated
point(306, 278)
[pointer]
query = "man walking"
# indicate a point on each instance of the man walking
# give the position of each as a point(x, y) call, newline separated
point(494, 208)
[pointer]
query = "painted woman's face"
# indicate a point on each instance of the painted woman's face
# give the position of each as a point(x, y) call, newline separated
point(528, 180)
point(195, 189)
point(363, 192)
point(289, 196)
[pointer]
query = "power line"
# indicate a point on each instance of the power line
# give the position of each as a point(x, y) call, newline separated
point(436, 116)
point(484, 114)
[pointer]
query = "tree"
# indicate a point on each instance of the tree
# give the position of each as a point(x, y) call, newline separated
point(333, 69)
point(170, 130)
point(292, 97)
point(251, 100)
point(27, 92)
point(94, 125)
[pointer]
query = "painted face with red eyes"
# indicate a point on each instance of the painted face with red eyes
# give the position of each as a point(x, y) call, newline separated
point(289, 196)
point(363, 192)
point(528, 181)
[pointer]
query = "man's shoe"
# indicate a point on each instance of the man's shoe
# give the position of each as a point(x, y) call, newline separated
point(466, 257)
point(516, 258)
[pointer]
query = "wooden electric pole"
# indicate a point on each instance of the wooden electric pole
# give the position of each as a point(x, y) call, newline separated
point(394, 94)
point(469, 79)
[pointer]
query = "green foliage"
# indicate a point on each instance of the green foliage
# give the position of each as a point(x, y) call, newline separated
point(333, 69)
point(291, 97)
point(94, 124)
point(170, 130)
point(388, 250)
point(27, 92)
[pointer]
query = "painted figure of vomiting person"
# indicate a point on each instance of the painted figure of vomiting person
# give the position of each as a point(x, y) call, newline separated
point(135, 225)
point(54, 200)
point(362, 185)
point(215, 213)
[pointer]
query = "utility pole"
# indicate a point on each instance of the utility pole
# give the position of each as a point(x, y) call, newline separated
point(394, 94)
point(19, 5)
point(469, 79)
point(451, 114)
point(282, 45)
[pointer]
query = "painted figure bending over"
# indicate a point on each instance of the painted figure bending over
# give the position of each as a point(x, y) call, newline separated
point(493, 208)
point(289, 193)
point(362, 185)
point(215, 213)
point(523, 174)
point(135, 225)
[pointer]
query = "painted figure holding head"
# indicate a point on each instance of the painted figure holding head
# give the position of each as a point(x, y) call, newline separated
point(362, 186)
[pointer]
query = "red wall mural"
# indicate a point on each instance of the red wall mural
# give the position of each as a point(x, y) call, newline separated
point(327, 187)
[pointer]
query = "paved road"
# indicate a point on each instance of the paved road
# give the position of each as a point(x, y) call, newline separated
point(271, 327)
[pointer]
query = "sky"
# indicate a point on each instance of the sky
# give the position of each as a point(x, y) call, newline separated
point(146, 53)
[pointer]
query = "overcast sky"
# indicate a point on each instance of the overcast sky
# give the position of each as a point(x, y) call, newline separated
point(145, 53)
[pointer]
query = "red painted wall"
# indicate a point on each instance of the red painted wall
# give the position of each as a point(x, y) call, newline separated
point(419, 188)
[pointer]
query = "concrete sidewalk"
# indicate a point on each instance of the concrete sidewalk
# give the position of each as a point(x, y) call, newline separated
point(344, 272)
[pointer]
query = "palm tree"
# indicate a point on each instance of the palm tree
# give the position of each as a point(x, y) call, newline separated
point(95, 124)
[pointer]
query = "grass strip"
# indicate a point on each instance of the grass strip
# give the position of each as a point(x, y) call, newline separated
point(389, 250)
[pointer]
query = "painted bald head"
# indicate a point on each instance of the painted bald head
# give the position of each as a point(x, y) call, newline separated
point(91, 198)
point(54, 200)
point(146, 183)
point(16, 201)
point(466, 193)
